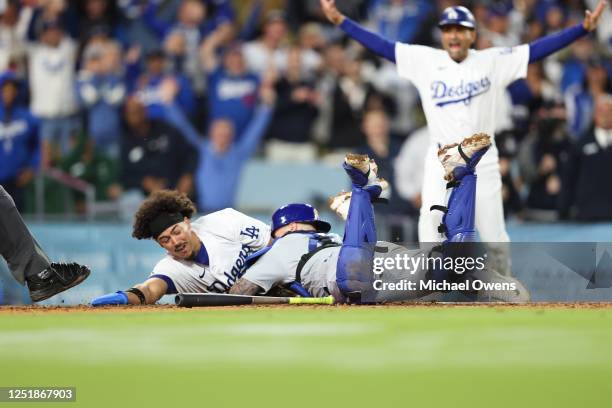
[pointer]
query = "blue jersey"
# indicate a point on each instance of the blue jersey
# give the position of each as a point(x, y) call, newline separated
point(232, 97)
point(149, 95)
point(19, 142)
point(101, 97)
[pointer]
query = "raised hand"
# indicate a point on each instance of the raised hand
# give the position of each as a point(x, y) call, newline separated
point(331, 12)
point(592, 17)
point(168, 88)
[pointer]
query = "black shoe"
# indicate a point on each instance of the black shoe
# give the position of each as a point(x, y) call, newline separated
point(55, 279)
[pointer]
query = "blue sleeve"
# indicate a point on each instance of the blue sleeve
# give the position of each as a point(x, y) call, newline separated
point(31, 33)
point(186, 96)
point(373, 42)
point(171, 288)
point(224, 11)
point(159, 26)
point(250, 25)
point(254, 131)
point(175, 117)
point(132, 72)
point(543, 47)
point(520, 94)
point(34, 142)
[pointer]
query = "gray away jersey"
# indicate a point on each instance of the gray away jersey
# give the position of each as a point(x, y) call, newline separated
point(318, 276)
point(278, 265)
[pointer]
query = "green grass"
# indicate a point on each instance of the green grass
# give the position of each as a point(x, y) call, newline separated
point(466, 356)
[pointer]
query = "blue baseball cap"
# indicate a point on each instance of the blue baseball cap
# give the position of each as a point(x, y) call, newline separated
point(459, 15)
point(305, 213)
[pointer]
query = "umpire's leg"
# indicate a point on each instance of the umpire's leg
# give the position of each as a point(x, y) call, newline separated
point(21, 251)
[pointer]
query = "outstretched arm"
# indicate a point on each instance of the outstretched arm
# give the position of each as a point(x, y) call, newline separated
point(175, 117)
point(256, 129)
point(148, 292)
point(245, 287)
point(156, 24)
point(373, 42)
point(548, 45)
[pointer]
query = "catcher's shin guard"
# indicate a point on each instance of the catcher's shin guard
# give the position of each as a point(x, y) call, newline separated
point(354, 267)
point(459, 215)
point(458, 222)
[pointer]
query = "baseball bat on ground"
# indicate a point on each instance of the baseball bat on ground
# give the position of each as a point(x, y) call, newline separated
point(213, 299)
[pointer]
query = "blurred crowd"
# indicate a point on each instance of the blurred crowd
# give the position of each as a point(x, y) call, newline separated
point(133, 96)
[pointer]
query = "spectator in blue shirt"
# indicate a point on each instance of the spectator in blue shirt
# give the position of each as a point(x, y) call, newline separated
point(19, 140)
point(222, 155)
point(195, 20)
point(399, 20)
point(101, 91)
point(147, 85)
point(232, 89)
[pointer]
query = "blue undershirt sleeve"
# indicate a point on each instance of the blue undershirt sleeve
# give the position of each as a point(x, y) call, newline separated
point(171, 288)
point(254, 131)
point(543, 47)
point(372, 41)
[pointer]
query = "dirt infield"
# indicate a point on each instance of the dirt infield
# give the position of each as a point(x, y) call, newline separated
point(33, 309)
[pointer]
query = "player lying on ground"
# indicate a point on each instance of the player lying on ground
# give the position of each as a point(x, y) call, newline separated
point(307, 260)
point(461, 90)
point(206, 255)
point(27, 261)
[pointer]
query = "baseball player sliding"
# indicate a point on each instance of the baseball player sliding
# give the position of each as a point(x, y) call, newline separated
point(307, 260)
point(206, 255)
point(460, 90)
point(229, 251)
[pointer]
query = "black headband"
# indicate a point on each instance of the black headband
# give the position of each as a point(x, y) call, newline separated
point(163, 221)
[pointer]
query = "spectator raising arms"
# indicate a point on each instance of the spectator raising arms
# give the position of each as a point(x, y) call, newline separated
point(101, 91)
point(222, 155)
point(232, 88)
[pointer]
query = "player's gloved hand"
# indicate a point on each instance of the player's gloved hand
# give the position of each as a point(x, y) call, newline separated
point(117, 298)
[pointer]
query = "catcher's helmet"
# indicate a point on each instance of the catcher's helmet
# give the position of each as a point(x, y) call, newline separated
point(457, 16)
point(305, 213)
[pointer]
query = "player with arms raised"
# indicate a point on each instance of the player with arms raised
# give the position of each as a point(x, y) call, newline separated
point(460, 89)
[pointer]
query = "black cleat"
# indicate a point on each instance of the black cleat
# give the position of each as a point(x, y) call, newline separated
point(55, 279)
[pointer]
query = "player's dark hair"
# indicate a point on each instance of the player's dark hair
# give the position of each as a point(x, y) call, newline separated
point(163, 201)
